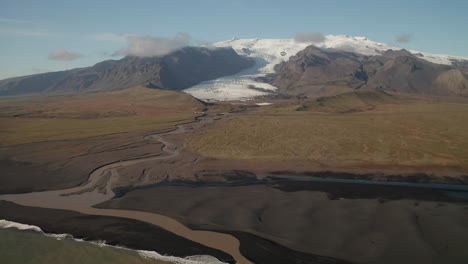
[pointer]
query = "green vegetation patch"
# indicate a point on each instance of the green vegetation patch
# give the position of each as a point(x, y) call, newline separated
point(350, 102)
point(415, 134)
point(135, 109)
point(23, 247)
point(27, 130)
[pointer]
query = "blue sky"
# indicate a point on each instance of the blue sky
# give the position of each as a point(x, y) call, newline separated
point(34, 34)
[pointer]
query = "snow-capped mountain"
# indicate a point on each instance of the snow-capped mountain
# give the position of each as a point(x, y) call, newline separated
point(269, 52)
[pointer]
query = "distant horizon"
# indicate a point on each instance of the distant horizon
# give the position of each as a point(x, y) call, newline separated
point(55, 36)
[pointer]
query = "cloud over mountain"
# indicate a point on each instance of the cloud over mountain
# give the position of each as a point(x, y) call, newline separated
point(313, 37)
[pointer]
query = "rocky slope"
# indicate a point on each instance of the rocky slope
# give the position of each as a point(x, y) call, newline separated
point(175, 71)
point(267, 53)
point(322, 72)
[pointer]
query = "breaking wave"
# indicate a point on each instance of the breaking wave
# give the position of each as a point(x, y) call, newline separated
point(198, 259)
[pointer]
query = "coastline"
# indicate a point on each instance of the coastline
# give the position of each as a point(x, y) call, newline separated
point(130, 234)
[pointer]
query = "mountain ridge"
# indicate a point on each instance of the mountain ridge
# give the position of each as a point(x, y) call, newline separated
point(269, 52)
point(175, 71)
point(320, 72)
point(223, 71)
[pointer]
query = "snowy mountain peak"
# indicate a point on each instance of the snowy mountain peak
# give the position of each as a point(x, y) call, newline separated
point(269, 52)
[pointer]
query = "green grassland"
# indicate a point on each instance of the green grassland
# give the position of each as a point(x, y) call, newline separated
point(350, 102)
point(30, 247)
point(70, 117)
point(361, 129)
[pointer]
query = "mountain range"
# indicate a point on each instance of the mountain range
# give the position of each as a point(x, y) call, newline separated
point(321, 72)
point(175, 71)
point(240, 69)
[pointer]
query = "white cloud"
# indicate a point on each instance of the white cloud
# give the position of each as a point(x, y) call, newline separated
point(312, 37)
point(24, 33)
point(143, 46)
point(64, 55)
point(115, 37)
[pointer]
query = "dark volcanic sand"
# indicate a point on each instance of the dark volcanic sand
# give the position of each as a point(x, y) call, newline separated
point(379, 224)
point(260, 250)
point(410, 177)
point(412, 228)
point(334, 190)
point(115, 231)
point(68, 163)
point(138, 235)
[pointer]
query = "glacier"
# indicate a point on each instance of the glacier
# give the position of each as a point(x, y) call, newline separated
point(268, 52)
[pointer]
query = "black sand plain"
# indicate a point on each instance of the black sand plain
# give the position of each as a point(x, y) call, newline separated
point(354, 222)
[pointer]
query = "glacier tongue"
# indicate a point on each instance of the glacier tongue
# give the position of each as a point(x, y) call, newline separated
point(265, 52)
point(268, 52)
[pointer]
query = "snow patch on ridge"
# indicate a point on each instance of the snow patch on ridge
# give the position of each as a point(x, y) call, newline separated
point(268, 52)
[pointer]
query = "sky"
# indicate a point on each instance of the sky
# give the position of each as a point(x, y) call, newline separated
point(40, 36)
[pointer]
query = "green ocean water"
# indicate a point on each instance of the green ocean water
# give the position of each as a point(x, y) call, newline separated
point(24, 247)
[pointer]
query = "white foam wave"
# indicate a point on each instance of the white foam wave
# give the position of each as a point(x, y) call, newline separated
point(59, 236)
point(197, 259)
point(10, 224)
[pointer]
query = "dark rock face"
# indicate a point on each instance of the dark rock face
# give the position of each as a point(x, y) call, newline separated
point(315, 71)
point(175, 71)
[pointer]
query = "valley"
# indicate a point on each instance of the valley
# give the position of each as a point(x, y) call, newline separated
point(337, 150)
point(147, 165)
point(360, 132)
